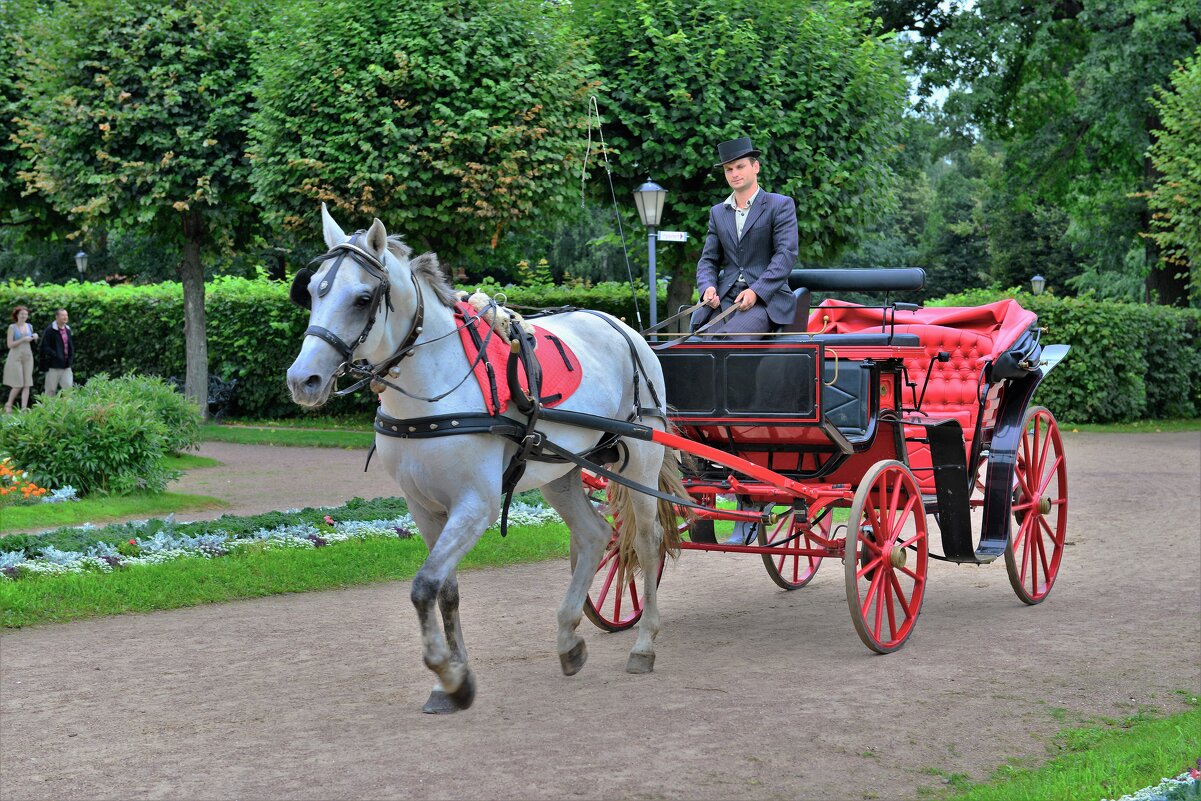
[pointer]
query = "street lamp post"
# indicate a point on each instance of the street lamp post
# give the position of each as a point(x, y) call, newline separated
point(81, 263)
point(1038, 284)
point(649, 199)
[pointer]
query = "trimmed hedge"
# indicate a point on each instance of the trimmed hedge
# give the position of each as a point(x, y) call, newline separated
point(254, 332)
point(1128, 361)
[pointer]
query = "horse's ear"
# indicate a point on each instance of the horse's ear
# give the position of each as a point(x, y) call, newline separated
point(377, 239)
point(333, 232)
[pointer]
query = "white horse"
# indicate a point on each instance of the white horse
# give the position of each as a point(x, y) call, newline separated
point(370, 303)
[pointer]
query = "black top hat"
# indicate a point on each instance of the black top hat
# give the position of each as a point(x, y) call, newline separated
point(735, 149)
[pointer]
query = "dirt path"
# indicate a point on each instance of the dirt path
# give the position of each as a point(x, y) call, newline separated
point(260, 478)
point(757, 693)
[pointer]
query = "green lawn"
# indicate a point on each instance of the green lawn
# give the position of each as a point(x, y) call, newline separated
point(252, 572)
point(362, 437)
point(1105, 761)
point(1138, 426)
point(102, 510)
point(105, 509)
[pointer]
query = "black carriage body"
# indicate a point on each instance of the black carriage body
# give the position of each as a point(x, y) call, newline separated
point(808, 409)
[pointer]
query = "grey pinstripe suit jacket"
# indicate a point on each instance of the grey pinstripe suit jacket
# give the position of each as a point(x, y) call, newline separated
point(764, 255)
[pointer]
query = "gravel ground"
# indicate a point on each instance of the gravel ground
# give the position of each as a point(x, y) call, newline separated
point(757, 693)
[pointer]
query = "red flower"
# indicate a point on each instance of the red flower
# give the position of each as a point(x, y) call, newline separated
point(329, 521)
point(133, 542)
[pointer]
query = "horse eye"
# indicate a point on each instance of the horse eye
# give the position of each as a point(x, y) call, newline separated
point(363, 299)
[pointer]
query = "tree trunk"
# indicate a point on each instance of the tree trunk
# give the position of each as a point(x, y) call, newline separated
point(1167, 284)
point(191, 275)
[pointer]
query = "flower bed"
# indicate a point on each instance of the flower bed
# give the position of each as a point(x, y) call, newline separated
point(162, 543)
point(1185, 787)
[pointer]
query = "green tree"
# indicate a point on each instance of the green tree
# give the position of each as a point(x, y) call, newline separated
point(457, 121)
point(134, 121)
point(817, 89)
point(1176, 154)
point(1065, 85)
point(28, 220)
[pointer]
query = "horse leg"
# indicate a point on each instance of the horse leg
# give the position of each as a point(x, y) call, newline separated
point(589, 536)
point(437, 584)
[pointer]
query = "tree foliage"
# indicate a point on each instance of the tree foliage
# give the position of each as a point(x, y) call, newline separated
point(1066, 86)
point(454, 120)
point(817, 90)
point(1176, 154)
point(134, 121)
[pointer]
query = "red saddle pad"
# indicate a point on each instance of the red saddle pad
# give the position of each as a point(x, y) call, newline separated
point(561, 371)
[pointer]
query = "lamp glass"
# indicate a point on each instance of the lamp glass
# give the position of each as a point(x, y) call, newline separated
point(81, 261)
point(649, 200)
point(1038, 284)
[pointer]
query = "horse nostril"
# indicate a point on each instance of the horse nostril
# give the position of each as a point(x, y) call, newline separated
point(313, 382)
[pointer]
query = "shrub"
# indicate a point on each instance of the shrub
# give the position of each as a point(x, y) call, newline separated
point(97, 445)
point(179, 417)
point(1128, 361)
point(254, 332)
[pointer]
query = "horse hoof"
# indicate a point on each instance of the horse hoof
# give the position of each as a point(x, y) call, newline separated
point(573, 661)
point(465, 695)
point(439, 703)
point(640, 663)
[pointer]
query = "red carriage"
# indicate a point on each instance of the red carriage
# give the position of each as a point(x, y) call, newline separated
point(839, 438)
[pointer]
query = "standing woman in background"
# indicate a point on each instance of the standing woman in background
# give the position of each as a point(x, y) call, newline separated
point(18, 367)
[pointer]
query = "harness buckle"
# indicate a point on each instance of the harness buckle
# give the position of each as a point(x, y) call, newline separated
point(532, 440)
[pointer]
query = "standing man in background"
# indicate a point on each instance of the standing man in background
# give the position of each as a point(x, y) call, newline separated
point(58, 351)
point(750, 250)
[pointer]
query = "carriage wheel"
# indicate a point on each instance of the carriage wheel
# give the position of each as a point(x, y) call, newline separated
point(1040, 508)
point(887, 553)
point(610, 606)
point(793, 571)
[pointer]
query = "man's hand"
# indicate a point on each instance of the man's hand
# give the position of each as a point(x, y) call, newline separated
point(709, 297)
point(746, 299)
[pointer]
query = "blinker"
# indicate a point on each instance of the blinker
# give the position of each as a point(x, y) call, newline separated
point(299, 291)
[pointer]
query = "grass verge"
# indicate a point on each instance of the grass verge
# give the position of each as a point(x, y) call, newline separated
point(1106, 761)
point(102, 509)
point(288, 436)
point(189, 461)
point(253, 572)
point(1137, 427)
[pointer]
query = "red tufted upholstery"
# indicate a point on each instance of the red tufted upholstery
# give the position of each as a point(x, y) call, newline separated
point(971, 335)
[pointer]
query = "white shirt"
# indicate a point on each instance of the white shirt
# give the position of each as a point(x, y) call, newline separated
point(740, 214)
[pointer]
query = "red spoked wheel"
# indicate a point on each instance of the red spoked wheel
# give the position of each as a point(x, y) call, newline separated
point(887, 554)
point(793, 571)
point(610, 605)
point(1040, 508)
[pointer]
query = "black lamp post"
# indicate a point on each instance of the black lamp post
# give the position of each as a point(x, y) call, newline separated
point(649, 199)
point(1038, 284)
point(81, 263)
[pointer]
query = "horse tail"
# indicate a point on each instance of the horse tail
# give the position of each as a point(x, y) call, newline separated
point(667, 512)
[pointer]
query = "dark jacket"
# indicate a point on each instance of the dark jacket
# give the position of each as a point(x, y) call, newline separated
point(51, 349)
point(765, 254)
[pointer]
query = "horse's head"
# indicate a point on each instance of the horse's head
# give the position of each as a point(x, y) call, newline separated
point(349, 290)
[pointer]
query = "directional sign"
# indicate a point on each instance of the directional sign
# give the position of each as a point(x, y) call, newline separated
point(673, 236)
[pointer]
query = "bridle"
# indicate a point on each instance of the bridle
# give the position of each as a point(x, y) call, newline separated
point(299, 295)
point(375, 374)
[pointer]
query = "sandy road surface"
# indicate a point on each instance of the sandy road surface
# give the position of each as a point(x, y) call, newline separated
point(757, 693)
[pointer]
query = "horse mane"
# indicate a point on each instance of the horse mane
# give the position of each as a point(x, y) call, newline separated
point(428, 267)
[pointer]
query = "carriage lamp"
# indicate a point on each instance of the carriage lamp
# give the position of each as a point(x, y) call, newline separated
point(81, 263)
point(649, 199)
point(1038, 284)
